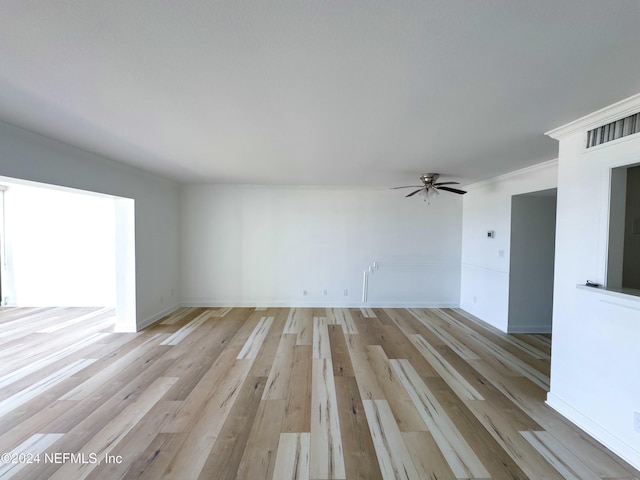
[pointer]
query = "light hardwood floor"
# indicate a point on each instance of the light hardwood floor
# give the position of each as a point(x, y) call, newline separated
point(283, 393)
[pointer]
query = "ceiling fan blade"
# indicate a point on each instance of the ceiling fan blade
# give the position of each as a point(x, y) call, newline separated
point(407, 186)
point(413, 193)
point(454, 190)
point(445, 183)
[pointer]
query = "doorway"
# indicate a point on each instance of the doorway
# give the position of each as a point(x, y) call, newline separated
point(64, 247)
point(533, 232)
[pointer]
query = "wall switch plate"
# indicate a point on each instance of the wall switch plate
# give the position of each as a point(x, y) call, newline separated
point(324, 292)
point(345, 293)
point(636, 421)
point(304, 293)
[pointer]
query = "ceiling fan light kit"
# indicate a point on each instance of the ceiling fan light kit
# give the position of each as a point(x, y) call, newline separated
point(430, 188)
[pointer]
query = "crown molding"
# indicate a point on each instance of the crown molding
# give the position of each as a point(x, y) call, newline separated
point(605, 115)
point(516, 173)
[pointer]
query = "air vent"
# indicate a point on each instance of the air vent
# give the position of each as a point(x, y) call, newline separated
point(614, 130)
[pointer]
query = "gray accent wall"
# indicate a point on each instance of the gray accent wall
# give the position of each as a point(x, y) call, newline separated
point(533, 228)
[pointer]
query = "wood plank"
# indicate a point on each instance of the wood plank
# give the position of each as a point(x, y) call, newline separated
point(393, 457)
point(559, 456)
point(259, 459)
point(366, 376)
point(225, 456)
point(426, 456)
point(20, 398)
point(221, 312)
point(402, 407)
point(254, 342)
point(298, 407)
point(294, 321)
point(109, 436)
point(505, 433)
point(357, 444)
point(292, 459)
point(492, 333)
point(186, 330)
point(203, 429)
point(179, 315)
point(76, 320)
point(300, 322)
point(368, 313)
point(193, 358)
point(339, 352)
point(327, 459)
point(461, 458)
point(31, 447)
point(342, 317)
point(37, 365)
point(194, 410)
point(453, 378)
point(88, 387)
point(321, 345)
point(456, 345)
point(280, 373)
point(134, 444)
point(154, 461)
point(267, 353)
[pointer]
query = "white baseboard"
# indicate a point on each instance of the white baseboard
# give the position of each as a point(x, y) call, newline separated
point(529, 329)
point(217, 303)
point(154, 318)
point(609, 440)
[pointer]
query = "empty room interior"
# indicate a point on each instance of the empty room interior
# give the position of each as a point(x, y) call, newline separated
point(320, 240)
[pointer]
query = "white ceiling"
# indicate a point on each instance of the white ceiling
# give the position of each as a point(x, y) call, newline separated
point(315, 92)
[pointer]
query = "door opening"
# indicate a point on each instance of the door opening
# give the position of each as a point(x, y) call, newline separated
point(533, 231)
point(67, 247)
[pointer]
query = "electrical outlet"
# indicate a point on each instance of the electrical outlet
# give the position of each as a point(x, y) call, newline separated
point(636, 421)
point(304, 293)
point(324, 292)
point(345, 293)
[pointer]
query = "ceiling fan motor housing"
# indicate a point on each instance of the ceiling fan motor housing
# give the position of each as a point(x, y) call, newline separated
point(429, 177)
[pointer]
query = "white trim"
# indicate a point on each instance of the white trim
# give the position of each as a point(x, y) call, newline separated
point(515, 173)
point(258, 187)
point(485, 269)
point(241, 304)
point(632, 296)
point(154, 318)
point(613, 443)
point(605, 115)
point(529, 329)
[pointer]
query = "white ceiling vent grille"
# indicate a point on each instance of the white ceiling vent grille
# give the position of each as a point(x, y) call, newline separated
point(614, 130)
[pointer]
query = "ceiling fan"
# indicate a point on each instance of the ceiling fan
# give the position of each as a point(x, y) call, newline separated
point(429, 185)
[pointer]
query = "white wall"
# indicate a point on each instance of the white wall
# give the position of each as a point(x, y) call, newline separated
point(59, 248)
point(533, 239)
point(595, 368)
point(244, 245)
point(25, 155)
point(485, 261)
